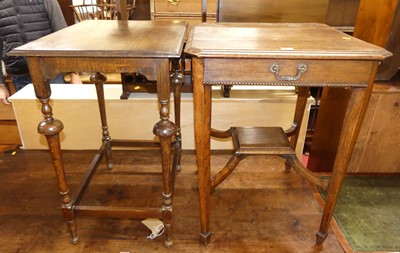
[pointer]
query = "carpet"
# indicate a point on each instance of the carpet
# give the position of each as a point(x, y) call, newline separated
point(368, 212)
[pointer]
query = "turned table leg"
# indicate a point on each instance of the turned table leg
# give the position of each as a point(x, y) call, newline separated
point(99, 79)
point(177, 80)
point(51, 128)
point(165, 130)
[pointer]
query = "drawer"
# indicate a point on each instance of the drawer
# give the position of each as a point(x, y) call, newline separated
point(145, 66)
point(183, 6)
point(258, 72)
point(191, 20)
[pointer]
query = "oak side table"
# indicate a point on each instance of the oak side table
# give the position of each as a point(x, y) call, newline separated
point(279, 54)
point(145, 47)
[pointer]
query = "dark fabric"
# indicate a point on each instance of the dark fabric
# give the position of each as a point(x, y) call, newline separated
point(20, 81)
point(21, 21)
point(2, 77)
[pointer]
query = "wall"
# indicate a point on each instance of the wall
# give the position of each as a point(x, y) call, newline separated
point(76, 107)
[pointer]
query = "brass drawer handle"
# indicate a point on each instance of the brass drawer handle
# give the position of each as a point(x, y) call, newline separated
point(301, 68)
point(173, 2)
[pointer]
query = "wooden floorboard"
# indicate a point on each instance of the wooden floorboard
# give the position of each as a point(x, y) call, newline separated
point(259, 208)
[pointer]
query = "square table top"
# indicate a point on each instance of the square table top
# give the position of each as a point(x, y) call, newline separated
point(278, 40)
point(111, 38)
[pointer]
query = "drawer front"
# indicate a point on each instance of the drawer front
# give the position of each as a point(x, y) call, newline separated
point(283, 72)
point(145, 66)
point(191, 20)
point(183, 6)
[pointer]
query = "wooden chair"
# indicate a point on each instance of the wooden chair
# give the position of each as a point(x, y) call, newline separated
point(101, 9)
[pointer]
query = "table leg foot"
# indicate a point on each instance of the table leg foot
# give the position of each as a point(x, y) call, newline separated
point(321, 237)
point(107, 138)
point(205, 238)
point(74, 240)
point(72, 231)
point(168, 243)
point(110, 166)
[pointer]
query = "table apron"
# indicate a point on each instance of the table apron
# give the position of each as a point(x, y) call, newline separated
point(51, 66)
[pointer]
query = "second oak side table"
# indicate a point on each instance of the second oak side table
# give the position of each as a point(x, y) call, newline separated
point(302, 55)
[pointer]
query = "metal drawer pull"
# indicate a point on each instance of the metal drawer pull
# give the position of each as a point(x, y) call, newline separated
point(173, 2)
point(301, 68)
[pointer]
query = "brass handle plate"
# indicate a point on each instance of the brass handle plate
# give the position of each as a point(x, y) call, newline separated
point(173, 2)
point(301, 68)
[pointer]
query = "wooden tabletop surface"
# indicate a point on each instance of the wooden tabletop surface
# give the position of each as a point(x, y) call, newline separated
point(278, 40)
point(111, 38)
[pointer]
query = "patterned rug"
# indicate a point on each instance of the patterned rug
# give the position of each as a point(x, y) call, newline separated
point(368, 212)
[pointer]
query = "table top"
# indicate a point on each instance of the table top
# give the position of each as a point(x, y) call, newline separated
point(278, 40)
point(111, 38)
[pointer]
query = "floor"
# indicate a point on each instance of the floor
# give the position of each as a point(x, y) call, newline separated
point(259, 208)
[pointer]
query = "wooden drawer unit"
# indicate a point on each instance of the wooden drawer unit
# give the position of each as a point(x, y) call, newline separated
point(286, 72)
point(188, 10)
